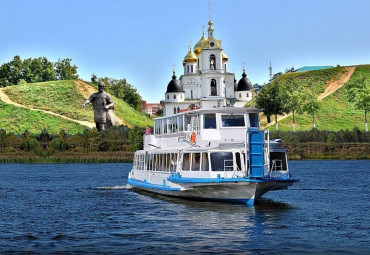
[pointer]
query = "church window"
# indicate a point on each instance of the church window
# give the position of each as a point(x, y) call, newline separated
point(174, 110)
point(240, 94)
point(247, 94)
point(191, 93)
point(181, 96)
point(191, 68)
point(212, 62)
point(188, 68)
point(174, 96)
point(178, 109)
point(225, 67)
point(213, 87)
point(168, 97)
point(198, 61)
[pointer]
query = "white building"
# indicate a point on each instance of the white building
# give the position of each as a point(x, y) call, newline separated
point(206, 82)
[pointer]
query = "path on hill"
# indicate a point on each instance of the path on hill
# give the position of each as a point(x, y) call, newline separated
point(330, 88)
point(86, 90)
point(4, 97)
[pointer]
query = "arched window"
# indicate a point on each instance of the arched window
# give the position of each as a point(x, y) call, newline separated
point(181, 97)
point(168, 97)
point(174, 110)
point(225, 67)
point(212, 62)
point(178, 109)
point(247, 94)
point(191, 93)
point(174, 96)
point(213, 87)
point(240, 94)
point(188, 68)
point(192, 68)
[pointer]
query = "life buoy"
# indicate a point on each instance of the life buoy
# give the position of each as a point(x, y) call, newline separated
point(193, 137)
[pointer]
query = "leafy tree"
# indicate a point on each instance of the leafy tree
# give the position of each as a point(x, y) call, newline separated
point(120, 89)
point(292, 99)
point(135, 137)
point(270, 100)
point(311, 106)
point(15, 72)
point(358, 92)
point(64, 70)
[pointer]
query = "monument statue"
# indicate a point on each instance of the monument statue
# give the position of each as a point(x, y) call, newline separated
point(103, 108)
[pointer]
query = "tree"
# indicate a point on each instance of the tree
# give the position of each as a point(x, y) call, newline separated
point(270, 100)
point(64, 70)
point(292, 99)
point(15, 72)
point(358, 92)
point(311, 106)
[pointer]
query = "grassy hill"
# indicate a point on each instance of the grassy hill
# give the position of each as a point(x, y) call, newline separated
point(61, 97)
point(336, 112)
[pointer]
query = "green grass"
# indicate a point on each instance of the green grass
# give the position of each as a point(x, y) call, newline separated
point(336, 112)
point(62, 97)
point(17, 120)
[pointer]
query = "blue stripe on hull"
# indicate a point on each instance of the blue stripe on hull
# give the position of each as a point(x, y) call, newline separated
point(145, 184)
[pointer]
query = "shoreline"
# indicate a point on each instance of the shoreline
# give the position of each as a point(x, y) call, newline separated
point(303, 151)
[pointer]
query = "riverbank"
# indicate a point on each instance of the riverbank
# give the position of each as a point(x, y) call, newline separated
point(342, 151)
point(302, 151)
point(68, 157)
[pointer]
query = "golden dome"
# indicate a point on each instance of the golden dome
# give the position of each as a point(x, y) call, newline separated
point(224, 57)
point(190, 57)
point(198, 46)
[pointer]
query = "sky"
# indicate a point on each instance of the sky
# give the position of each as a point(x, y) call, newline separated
point(142, 40)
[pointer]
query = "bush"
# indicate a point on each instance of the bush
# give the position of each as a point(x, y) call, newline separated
point(30, 144)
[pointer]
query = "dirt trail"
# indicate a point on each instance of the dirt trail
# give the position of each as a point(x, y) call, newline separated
point(330, 88)
point(86, 90)
point(4, 97)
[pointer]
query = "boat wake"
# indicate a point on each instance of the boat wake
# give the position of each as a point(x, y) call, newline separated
point(112, 187)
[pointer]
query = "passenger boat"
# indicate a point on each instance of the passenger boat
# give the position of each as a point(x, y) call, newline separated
point(208, 145)
point(211, 154)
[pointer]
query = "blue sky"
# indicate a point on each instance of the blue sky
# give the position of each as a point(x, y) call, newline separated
point(141, 40)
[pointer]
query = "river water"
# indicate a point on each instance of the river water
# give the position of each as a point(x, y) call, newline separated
point(85, 208)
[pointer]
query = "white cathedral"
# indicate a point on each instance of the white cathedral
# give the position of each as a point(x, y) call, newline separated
point(206, 82)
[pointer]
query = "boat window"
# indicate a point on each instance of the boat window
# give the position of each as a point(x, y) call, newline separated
point(174, 124)
point(195, 162)
point(187, 122)
point(181, 122)
point(186, 161)
point(278, 161)
point(173, 162)
point(233, 120)
point(168, 162)
point(222, 161)
point(165, 126)
point(195, 122)
point(205, 163)
point(209, 121)
point(253, 119)
point(238, 161)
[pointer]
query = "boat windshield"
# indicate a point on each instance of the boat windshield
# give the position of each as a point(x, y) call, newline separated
point(233, 120)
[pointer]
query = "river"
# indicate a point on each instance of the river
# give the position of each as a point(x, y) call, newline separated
point(72, 208)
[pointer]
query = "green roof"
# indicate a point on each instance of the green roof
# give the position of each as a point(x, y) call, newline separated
point(311, 68)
